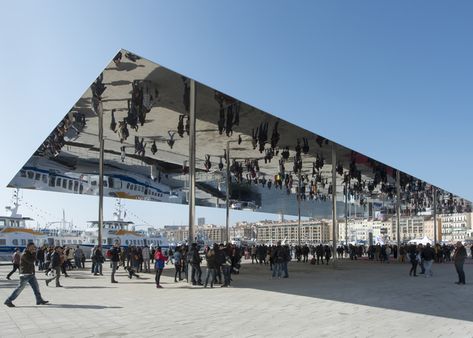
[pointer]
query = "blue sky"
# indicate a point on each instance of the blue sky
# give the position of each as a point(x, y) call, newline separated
point(393, 80)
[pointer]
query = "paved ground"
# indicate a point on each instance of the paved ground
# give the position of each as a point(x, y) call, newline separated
point(357, 299)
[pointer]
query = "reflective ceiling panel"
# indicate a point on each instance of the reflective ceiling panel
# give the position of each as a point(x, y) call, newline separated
point(273, 163)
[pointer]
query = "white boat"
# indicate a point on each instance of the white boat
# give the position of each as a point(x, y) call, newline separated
point(13, 231)
point(45, 174)
point(123, 232)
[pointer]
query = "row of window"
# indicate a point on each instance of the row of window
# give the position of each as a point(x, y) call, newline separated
point(12, 223)
point(21, 242)
point(72, 185)
point(76, 186)
point(144, 190)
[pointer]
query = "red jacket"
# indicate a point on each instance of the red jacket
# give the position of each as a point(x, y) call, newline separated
point(159, 256)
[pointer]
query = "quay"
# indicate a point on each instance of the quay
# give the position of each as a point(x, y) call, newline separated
point(357, 298)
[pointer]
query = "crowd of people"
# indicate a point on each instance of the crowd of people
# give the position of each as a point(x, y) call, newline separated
point(222, 261)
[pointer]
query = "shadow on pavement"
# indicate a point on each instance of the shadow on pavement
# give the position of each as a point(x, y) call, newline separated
point(89, 287)
point(386, 286)
point(74, 306)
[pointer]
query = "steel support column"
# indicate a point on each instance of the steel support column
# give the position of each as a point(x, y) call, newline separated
point(227, 202)
point(191, 162)
point(101, 160)
point(346, 214)
point(299, 210)
point(435, 215)
point(334, 203)
point(398, 211)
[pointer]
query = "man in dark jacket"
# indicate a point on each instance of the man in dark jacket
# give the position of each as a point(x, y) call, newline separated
point(56, 266)
point(115, 258)
point(194, 260)
point(459, 258)
point(428, 255)
point(27, 275)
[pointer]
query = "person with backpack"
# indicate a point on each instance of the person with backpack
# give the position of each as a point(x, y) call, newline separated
point(160, 260)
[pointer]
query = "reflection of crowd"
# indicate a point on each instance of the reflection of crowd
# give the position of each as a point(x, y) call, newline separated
point(55, 141)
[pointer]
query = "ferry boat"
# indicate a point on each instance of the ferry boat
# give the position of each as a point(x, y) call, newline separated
point(45, 174)
point(123, 232)
point(13, 231)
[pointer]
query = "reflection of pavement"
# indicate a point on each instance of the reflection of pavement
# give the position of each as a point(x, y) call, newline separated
point(357, 299)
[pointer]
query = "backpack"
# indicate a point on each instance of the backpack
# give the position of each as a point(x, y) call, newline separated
point(108, 253)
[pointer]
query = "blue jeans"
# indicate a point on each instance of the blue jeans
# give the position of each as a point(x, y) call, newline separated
point(211, 275)
point(428, 268)
point(277, 267)
point(284, 269)
point(98, 268)
point(25, 279)
point(226, 269)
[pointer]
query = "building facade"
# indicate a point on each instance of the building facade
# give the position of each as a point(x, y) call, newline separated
point(456, 227)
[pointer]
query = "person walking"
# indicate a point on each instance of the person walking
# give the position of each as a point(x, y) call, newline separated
point(114, 258)
point(413, 258)
point(27, 276)
point(56, 266)
point(160, 260)
point(428, 256)
point(459, 257)
point(145, 253)
point(15, 259)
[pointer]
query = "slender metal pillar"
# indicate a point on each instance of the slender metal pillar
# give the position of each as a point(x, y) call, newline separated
point(299, 196)
point(334, 203)
point(435, 215)
point(227, 202)
point(398, 211)
point(346, 214)
point(191, 162)
point(101, 152)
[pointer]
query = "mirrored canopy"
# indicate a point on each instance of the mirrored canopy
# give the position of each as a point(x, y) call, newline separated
point(273, 163)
